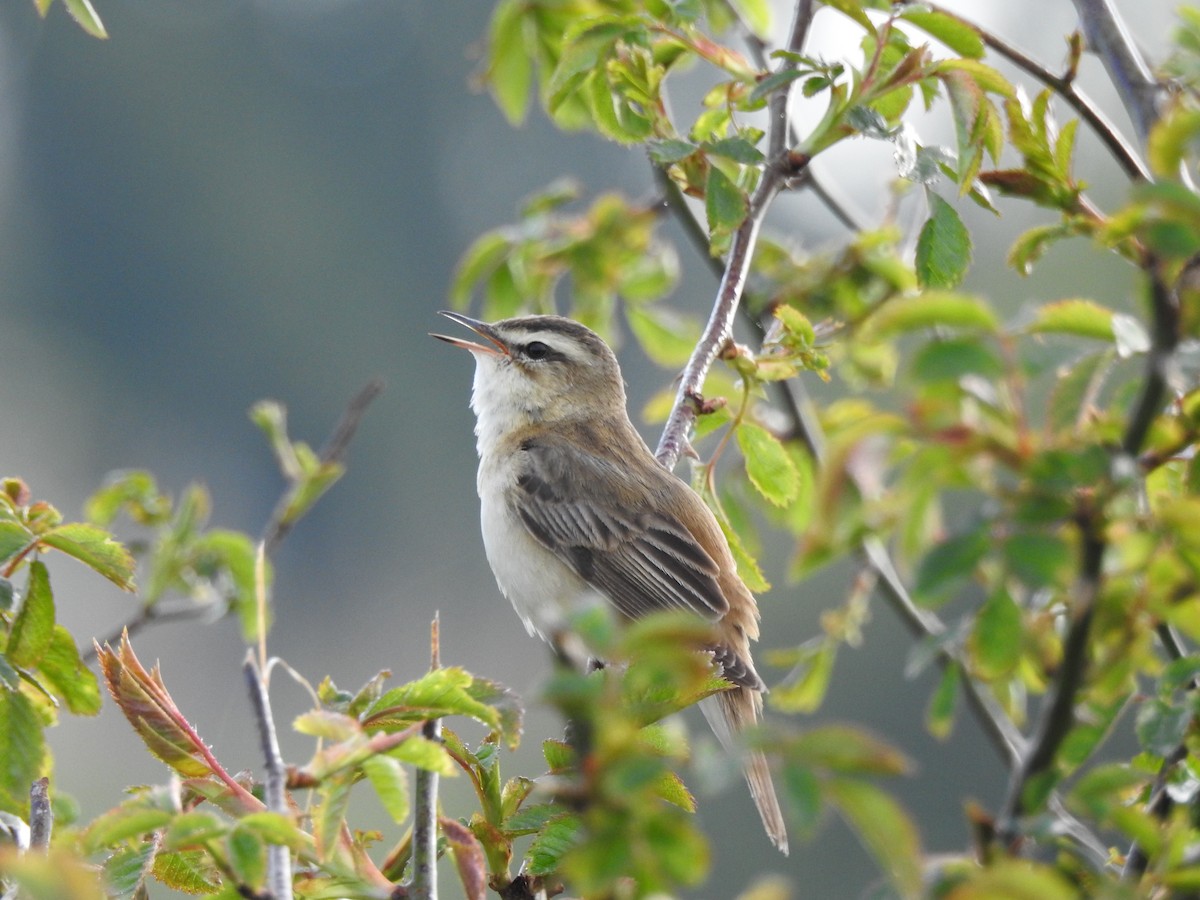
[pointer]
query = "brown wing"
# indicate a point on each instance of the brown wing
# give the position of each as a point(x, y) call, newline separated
point(641, 560)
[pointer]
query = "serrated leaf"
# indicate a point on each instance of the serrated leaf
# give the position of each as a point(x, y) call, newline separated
point(983, 76)
point(131, 819)
point(324, 723)
point(425, 754)
point(33, 629)
point(777, 80)
point(560, 756)
point(148, 706)
point(329, 814)
point(61, 667)
point(739, 149)
point(125, 871)
point(1032, 244)
point(943, 248)
point(531, 818)
point(1171, 139)
point(22, 749)
point(997, 637)
point(190, 871)
point(724, 203)
point(1013, 879)
point(557, 837)
point(95, 548)
point(449, 691)
point(189, 829)
point(1084, 318)
point(1161, 725)
point(930, 309)
point(768, 465)
point(886, 831)
point(14, 537)
point(952, 31)
point(853, 9)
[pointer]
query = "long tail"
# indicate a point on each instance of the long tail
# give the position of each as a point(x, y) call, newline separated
point(729, 713)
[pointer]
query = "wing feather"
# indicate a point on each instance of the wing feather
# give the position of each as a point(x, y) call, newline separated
point(641, 560)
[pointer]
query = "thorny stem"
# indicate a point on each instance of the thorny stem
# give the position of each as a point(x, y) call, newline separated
point(279, 859)
point(425, 801)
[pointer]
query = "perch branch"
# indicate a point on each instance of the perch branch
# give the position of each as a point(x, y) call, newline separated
point(41, 816)
point(780, 167)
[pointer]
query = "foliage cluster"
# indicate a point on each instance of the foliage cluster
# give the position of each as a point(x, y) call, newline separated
point(1031, 473)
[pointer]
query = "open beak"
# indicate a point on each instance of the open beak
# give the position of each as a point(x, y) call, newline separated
point(483, 329)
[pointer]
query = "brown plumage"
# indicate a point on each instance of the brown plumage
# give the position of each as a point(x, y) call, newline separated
point(576, 508)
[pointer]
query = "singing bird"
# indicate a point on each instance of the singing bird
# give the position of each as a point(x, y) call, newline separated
point(576, 510)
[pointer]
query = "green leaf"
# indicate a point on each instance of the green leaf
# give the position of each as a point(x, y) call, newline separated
point(952, 31)
point(666, 337)
point(560, 756)
point(531, 818)
point(247, 857)
point(1037, 558)
point(81, 11)
point(768, 465)
point(996, 640)
point(739, 149)
point(884, 829)
point(1083, 318)
point(95, 548)
point(1162, 725)
point(191, 829)
point(804, 689)
point(670, 150)
point(1031, 245)
point(274, 828)
point(725, 205)
point(1015, 879)
point(846, 750)
point(14, 537)
point(425, 754)
point(446, 692)
point(190, 871)
point(126, 870)
point(951, 359)
point(329, 815)
point(930, 309)
point(131, 819)
point(939, 716)
point(1171, 140)
point(984, 77)
point(775, 82)
point(951, 561)
point(756, 14)
point(943, 248)
point(61, 667)
point(22, 749)
point(510, 69)
point(325, 723)
point(853, 9)
point(556, 838)
point(33, 629)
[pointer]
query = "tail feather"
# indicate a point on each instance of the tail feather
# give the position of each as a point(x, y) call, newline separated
point(728, 714)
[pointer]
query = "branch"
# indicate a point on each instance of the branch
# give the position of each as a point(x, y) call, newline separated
point(279, 860)
point(425, 790)
point(41, 816)
point(780, 167)
point(1108, 37)
point(1064, 85)
point(334, 450)
point(1059, 713)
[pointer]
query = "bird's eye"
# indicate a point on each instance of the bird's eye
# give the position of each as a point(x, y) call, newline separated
point(536, 350)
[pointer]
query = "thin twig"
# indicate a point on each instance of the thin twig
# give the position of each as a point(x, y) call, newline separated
point(148, 615)
point(779, 168)
point(425, 801)
point(277, 527)
point(1124, 153)
point(1108, 37)
point(279, 860)
point(41, 816)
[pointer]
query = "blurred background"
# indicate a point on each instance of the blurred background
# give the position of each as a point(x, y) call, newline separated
point(237, 199)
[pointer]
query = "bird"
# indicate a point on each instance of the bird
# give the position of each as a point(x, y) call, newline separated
point(576, 510)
